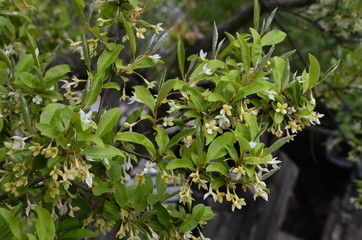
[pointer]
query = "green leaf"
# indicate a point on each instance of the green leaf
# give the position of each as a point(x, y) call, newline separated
point(101, 188)
point(130, 34)
point(121, 194)
point(330, 71)
point(112, 85)
point(30, 236)
point(256, 49)
point(254, 87)
point(179, 136)
point(108, 56)
point(165, 89)
point(80, 233)
point(256, 14)
point(217, 147)
point(193, 220)
point(52, 132)
point(218, 167)
point(245, 53)
point(108, 120)
point(161, 41)
point(314, 70)
point(94, 89)
point(49, 111)
point(98, 152)
point(278, 70)
point(252, 124)
point(144, 95)
point(141, 194)
point(162, 139)
point(144, 63)
point(273, 37)
point(180, 163)
point(137, 138)
point(78, 5)
point(162, 214)
point(270, 19)
point(25, 62)
point(45, 227)
point(134, 116)
point(215, 38)
point(243, 142)
point(25, 114)
point(88, 137)
point(11, 222)
point(216, 97)
point(161, 185)
point(86, 52)
point(277, 144)
point(55, 74)
point(198, 100)
point(181, 55)
point(134, 3)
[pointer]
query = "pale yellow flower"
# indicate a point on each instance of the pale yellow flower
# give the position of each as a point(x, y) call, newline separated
point(11, 187)
point(239, 172)
point(282, 108)
point(168, 121)
point(36, 149)
point(55, 173)
point(140, 32)
point(226, 109)
point(157, 27)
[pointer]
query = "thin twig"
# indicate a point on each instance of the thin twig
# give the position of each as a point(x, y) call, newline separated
point(135, 153)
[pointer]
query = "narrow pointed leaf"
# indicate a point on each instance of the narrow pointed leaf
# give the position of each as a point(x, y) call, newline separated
point(181, 55)
point(108, 121)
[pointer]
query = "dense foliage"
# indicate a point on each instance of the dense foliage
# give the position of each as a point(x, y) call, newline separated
point(65, 168)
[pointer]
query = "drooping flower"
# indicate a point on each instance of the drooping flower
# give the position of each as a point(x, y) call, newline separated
point(237, 203)
point(173, 107)
point(129, 125)
point(133, 98)
point(210, 192)
point(155, 57)
point(55, 173)
point(239, 172)
point(274, 162)
point(202, 54)
point(271, 94)
point(18, 142)
point(36, 149)
point(157, 27)
point(206, 70)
